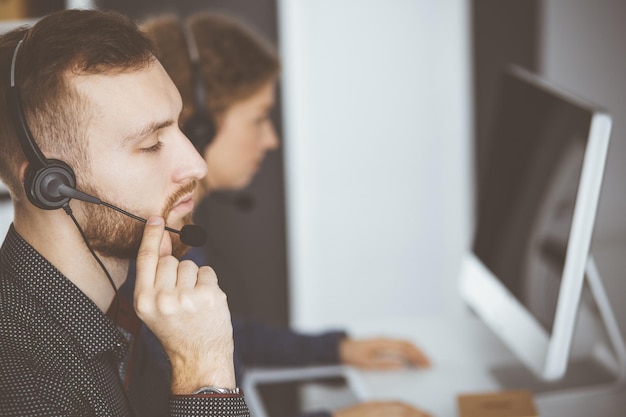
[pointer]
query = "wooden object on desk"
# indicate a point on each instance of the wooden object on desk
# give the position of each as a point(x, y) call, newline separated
point(13, 9)
point(517, 403)
point(27, 9)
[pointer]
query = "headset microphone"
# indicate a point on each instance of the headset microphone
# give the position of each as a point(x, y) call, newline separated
point(240, 199)
point(244, 201)
point(190, 235)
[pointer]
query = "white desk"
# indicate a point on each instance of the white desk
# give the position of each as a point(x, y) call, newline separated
point(463, 351)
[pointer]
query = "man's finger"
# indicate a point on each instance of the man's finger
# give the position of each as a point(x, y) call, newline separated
point(206, 276)
point(148, 255)
point(187, 275)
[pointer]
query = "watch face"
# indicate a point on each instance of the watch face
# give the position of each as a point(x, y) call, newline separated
point(215, 390)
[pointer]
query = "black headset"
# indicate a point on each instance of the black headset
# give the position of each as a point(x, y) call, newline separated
point(44, 177)
point(200, 128)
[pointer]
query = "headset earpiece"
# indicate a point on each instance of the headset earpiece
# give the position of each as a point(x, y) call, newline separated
point(42, 185)
point(200, 130)
point(43, 176)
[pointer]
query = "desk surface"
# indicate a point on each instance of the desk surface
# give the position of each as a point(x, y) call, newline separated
point(463, 351)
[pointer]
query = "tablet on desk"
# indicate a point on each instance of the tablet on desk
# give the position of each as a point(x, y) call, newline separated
point(289, 392)
point(293, 398)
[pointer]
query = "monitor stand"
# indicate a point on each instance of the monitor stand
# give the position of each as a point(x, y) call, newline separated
point(582, 376)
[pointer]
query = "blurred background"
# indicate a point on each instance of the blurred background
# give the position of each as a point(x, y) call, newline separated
point(384, 114)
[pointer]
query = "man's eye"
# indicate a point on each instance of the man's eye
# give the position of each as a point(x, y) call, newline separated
point(153, 148)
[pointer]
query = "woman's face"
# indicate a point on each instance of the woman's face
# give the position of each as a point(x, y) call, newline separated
point(245, 133)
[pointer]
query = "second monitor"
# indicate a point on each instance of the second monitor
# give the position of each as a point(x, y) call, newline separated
point(537, 199)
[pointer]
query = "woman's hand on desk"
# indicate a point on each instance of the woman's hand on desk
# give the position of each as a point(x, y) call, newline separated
point(381, 353)
point(381, 409)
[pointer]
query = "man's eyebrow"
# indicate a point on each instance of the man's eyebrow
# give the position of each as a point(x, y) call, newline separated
point(146, 131)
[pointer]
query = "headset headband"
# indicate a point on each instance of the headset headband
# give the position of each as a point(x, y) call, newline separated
point(32, 152)
point(196, 72)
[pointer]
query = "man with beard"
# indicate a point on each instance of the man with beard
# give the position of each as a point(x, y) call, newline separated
point(86, 88)
point(227, 76)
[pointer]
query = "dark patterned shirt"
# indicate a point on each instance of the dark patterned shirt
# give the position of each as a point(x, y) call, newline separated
point(60, 355)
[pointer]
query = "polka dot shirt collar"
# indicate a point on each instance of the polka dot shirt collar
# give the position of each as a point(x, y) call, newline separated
point(94, 332)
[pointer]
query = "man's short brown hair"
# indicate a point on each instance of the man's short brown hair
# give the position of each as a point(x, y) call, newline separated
point(61, 45)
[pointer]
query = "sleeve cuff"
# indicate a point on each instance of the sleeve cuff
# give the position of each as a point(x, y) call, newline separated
point(222, 405)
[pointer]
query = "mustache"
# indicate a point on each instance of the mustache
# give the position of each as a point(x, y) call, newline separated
point(178, 194)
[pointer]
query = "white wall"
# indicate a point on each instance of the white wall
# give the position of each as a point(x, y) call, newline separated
point(6, 218)
point(80, 4)
point(376, 103)
point(6, 214)
point(6, 207)
point(583, 50)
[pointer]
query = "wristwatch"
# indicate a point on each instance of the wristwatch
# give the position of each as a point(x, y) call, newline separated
point(215, 390)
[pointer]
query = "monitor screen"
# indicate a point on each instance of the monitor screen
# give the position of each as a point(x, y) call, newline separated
point(537, 194)
point(527, 192)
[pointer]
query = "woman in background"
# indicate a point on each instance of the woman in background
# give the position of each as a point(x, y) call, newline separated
point(227, 77)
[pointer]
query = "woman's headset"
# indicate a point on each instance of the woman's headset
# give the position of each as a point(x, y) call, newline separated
point(200, 128)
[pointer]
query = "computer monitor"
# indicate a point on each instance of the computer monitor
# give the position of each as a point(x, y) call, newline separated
point(6, 211)
point(537, 196)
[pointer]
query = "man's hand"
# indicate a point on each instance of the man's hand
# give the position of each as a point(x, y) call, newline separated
point(381, 409)
point(187, 311)
point(381, 354)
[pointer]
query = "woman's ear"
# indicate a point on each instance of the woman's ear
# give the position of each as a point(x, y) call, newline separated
point(22, 171)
